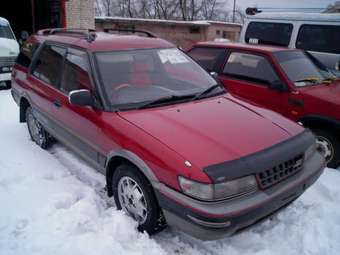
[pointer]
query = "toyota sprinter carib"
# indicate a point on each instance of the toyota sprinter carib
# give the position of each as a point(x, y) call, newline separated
point(175, 148)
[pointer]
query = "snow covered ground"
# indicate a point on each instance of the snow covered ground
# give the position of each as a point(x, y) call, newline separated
point(53, 203)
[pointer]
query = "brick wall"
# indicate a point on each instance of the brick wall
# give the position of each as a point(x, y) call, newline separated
point(222, 31)
point(80, 14)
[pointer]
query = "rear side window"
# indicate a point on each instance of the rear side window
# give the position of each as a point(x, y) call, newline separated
point(48, 64)
point(207, 57)
point(269, 33)
point(320, 38)
point(76, 72)
point(250, 67)
point(26, 54)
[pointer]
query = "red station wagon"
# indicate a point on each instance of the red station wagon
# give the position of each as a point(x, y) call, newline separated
point(175, 148)
point(288, 81)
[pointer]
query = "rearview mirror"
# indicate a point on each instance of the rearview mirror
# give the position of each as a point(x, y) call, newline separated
point(81, 97)
point(278, 86)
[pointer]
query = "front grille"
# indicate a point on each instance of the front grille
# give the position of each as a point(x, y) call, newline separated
point(7, 61)
point(279, 172)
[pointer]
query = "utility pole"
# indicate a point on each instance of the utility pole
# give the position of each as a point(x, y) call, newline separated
point(234, 10)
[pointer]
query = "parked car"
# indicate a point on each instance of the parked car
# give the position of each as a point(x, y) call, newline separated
point(288, 81)
point(9, 49)
point(174, 146)
point(317, 33)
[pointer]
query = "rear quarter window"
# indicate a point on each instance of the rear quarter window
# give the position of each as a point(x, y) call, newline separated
point(48, 64)
point(26, 54)
point(321, 38)
point(278, 34)
point(208, 58)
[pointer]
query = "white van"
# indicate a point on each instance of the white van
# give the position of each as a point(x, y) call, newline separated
point(317, 33)
point(9, 50)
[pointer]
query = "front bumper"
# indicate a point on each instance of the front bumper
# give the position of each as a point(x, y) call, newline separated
point(214, 220)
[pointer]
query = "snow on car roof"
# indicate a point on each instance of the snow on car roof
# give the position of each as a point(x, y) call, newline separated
point(170, 22)
point(297, 16)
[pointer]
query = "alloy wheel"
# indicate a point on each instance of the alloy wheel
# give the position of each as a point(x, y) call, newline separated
point(325, 147)
point(132, 199)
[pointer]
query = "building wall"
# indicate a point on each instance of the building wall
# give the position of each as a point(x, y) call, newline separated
point(226, 32)
point(79, 14)
point(180, 34)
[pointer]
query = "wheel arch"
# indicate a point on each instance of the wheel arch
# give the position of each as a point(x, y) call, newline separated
point(123, 156)
point(321, 122)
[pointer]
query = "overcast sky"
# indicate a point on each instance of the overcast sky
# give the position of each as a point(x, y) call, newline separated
point(283, 3)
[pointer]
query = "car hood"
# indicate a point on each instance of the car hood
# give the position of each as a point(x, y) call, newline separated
point(213, 130)
point(326, 92)
point(8, 47)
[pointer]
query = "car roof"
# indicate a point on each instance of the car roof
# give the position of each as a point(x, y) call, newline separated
point(105, 41)
point(3, 21)
point(250, 47)
point(296, 16)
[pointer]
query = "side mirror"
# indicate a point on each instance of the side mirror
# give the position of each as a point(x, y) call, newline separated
point(214, 75)
point(81, 97)
point(24, 35)
point(278, 86)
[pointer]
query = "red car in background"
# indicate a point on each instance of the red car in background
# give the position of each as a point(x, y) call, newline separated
point(288, 81)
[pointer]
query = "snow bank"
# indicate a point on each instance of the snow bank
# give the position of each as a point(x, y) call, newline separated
point(53, 203)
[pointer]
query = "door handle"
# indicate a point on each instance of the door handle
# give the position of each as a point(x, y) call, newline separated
point(57, 103)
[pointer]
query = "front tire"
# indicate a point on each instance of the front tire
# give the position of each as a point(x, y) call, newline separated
point(134, 195)
point(37, 132)
point(329, 146)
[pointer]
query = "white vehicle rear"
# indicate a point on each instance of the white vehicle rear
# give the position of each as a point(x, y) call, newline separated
point(317, 33)
point(9, 50)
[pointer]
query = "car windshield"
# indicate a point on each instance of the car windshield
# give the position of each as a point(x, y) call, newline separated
point(5, 31)
point(134, 78)
point(301, 69)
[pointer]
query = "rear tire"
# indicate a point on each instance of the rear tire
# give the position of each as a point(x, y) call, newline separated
point(8, 85)
point(134, 195)
point(37, 132)
point(329, 146)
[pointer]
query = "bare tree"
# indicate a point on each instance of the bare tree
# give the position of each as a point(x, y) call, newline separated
point(169, 9)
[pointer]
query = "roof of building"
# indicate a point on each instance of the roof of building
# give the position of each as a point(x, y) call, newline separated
point(259, 48)
point(297, 16)
point(168, 22)
point(106, 41)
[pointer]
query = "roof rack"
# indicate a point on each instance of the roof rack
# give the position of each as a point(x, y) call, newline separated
point(130, 31)
point(88, 34)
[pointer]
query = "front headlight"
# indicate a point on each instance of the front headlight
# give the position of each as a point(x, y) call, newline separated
point(218, 191)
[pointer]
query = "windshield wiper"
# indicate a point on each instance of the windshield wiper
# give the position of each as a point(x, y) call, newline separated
point(309, 79)
point(207, 91)
point(329, 80)
point(164, 100)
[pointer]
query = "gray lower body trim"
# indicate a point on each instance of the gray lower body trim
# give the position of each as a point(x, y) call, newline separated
point(81, 148)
